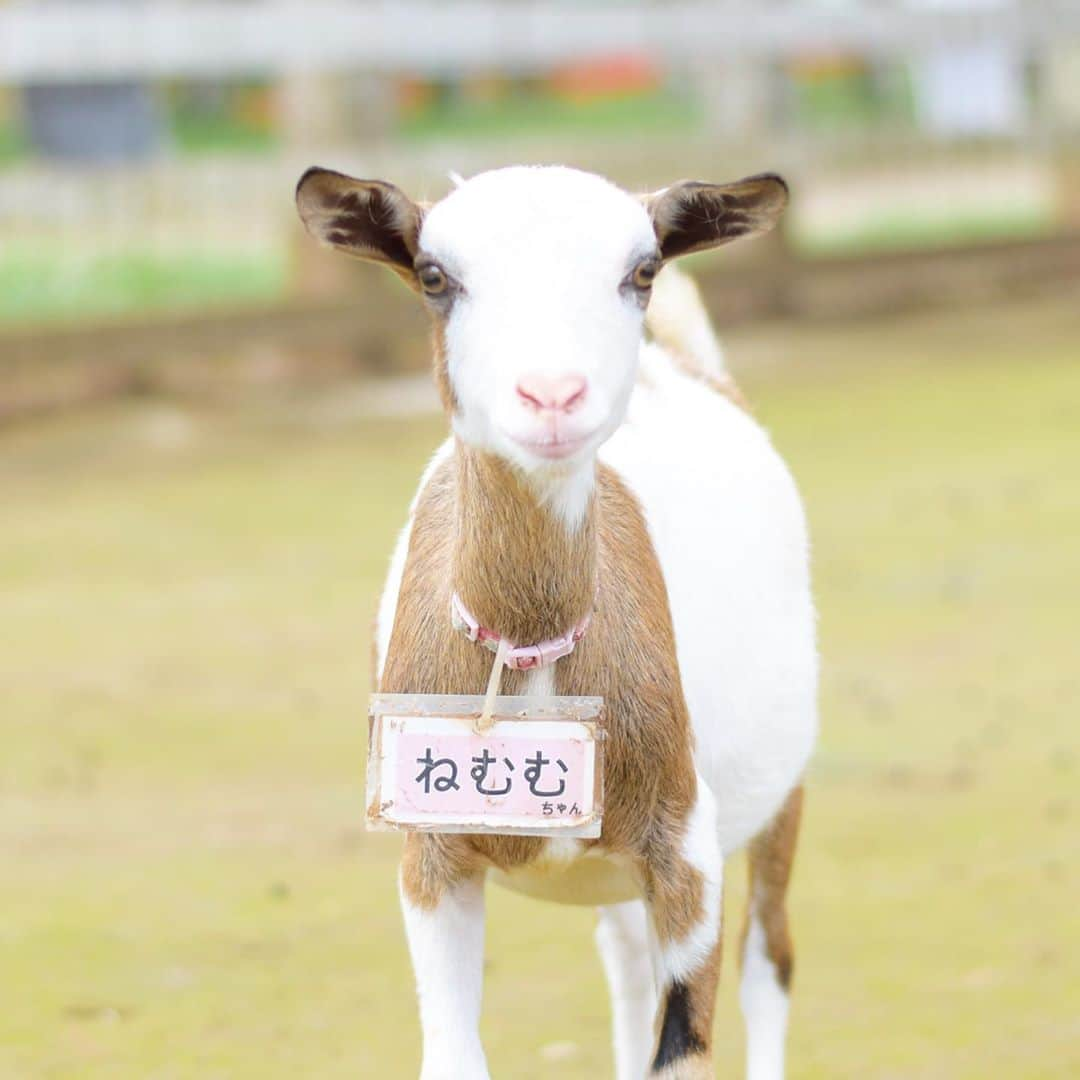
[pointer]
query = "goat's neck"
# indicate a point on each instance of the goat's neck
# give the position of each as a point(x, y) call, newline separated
point(523, 565)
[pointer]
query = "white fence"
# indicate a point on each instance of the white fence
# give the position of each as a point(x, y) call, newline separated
point(79, 42)
point(986, 138)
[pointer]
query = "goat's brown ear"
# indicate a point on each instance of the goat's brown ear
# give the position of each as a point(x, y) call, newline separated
point(369, 219)
point(692, 216)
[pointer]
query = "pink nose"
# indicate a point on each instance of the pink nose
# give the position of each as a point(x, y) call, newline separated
point(561, 393)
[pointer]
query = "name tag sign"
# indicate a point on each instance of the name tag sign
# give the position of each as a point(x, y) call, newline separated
point(537, 771)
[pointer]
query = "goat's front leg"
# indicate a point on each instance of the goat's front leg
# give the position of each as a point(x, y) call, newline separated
point(684, 886)
point(442, 897)
point(622, 937)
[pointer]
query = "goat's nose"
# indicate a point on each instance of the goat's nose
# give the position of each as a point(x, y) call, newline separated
point(560, 393)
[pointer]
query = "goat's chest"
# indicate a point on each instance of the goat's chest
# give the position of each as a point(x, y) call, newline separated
point(568, 872)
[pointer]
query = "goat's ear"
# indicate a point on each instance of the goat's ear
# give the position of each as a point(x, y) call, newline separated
point(692, 216)
point(369, 219)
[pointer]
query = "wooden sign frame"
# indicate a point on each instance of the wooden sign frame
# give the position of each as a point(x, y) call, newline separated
point(566, 720)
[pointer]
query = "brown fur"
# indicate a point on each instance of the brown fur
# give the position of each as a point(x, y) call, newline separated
point(439, 366)
point(366, 219)
point(703, 994)
point(478, 529)
point(692, 216)
point(771, 855)
point(515, 565)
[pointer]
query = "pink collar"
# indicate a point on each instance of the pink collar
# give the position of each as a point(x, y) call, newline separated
point(521, 657)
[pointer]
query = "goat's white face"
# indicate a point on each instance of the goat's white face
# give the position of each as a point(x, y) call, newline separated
point(542, 279)
point(538, 279)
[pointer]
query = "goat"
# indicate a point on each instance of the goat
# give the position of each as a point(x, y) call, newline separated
point(592, 470)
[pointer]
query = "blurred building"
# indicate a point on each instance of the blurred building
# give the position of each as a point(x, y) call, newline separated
point(170, 137)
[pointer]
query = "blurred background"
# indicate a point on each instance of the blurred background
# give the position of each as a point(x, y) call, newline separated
point(210, 430)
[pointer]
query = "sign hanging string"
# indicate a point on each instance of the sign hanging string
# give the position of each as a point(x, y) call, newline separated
point(483, 724)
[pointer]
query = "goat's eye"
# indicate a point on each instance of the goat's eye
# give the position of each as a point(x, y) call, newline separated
point(645, 273)
point(432, 279)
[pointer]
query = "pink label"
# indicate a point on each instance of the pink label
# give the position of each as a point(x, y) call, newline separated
point(451, 775)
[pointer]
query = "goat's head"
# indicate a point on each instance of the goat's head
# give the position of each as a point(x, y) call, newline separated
point(538, 280)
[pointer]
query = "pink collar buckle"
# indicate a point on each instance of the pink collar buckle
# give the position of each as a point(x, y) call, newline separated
point(519, 657)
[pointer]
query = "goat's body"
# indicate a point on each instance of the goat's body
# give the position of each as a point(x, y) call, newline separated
point(729, 533)
point(589, 469)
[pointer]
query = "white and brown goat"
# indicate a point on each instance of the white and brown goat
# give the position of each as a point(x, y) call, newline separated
point(589, 467)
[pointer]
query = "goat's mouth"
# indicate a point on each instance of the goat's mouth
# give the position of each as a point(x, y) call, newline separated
point(553, 446)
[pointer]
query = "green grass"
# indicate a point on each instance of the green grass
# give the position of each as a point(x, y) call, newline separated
point(187, 887)
point(196, 134)
point(12, 144)
point(63, 286)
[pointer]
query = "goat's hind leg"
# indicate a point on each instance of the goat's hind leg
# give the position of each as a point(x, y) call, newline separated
point(767, 957)
point(622, 936)
point(442, 898)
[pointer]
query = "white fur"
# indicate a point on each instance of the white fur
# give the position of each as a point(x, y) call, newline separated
point(538, 256)
point(566, 492)
point(764, 1005)
point(622, 937)
point(447, 950)
point(729, 532)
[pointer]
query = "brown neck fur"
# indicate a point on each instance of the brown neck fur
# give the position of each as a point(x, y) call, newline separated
point(516, 565)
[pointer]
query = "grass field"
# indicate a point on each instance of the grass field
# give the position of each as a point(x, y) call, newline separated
point(187, 887)
point(51, 284)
